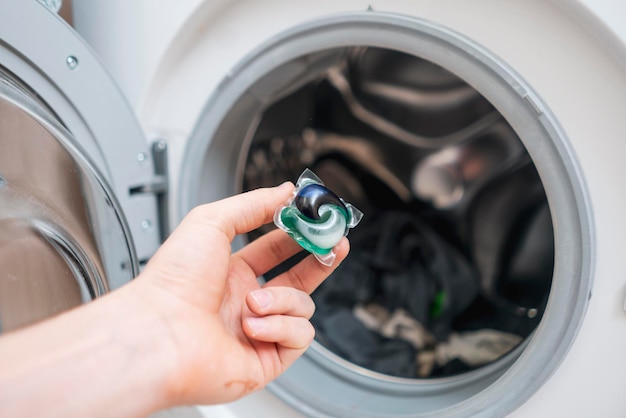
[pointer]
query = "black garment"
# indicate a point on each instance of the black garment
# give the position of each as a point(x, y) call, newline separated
point(399, 263)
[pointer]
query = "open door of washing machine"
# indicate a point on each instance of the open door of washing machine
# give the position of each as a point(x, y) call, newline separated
point(78, 189)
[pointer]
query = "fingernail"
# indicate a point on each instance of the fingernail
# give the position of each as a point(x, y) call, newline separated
point(286, 185)
point(262, 297)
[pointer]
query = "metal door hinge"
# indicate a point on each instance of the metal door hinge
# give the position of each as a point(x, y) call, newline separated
point(158, 186)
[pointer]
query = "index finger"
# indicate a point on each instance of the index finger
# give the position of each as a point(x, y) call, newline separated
point(309, 273)
point(268, 251)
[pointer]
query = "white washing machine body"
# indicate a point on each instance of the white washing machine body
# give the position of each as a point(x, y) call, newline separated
point(179, 65)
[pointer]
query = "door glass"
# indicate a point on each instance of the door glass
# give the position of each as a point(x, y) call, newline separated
point(60, 232)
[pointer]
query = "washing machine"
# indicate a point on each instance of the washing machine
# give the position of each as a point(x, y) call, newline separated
point(489, 132)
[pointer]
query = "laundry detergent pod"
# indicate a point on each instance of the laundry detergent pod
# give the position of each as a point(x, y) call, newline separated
point(316, 217)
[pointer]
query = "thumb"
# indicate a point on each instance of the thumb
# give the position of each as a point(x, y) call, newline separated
point(244, 212)
point(200, 247)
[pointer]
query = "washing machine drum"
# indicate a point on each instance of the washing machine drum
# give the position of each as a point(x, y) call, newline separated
point(475, 224)
point(457, 241)
point(64, 133)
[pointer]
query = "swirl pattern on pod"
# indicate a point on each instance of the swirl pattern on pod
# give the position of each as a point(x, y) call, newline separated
point(312, 197)
point(316, 217)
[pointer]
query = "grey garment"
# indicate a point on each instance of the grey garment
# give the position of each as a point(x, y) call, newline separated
point(398, 324)
point(474, 348)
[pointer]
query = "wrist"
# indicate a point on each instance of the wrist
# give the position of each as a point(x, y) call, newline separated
point(147, 339)
point(111, 352)
point(156, 328)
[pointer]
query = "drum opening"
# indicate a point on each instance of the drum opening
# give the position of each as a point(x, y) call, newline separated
point(452, 265)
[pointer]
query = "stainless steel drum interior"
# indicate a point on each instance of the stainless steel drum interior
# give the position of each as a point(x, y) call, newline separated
point(477, 227)
point(456, 247)
point(60, 231)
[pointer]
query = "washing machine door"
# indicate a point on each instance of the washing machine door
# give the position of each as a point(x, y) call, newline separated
point(76, 215)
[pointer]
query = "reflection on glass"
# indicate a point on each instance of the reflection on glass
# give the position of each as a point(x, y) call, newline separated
point(61, 238)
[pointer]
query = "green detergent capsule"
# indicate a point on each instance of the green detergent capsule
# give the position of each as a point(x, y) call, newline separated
point(316, 218)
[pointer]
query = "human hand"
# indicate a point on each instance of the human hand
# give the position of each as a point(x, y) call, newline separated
point(228, 334)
